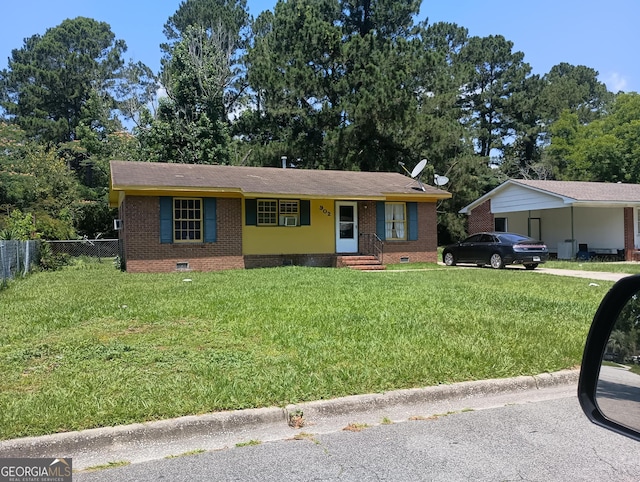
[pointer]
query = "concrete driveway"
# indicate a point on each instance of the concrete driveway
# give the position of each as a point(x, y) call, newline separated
point(599, 275)
point(575, 273)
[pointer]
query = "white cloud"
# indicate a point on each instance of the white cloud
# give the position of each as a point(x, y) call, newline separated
point(616, 82)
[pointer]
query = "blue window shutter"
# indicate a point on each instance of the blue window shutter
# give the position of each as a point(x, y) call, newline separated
point(380, 231)
point(166, 219)
point(412, 214)
point(210, 229)
point(305, 213)
point(251, 212)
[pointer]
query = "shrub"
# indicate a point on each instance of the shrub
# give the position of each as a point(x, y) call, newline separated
point(49, 261)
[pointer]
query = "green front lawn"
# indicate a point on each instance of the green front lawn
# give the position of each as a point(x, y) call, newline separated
point(89, 346)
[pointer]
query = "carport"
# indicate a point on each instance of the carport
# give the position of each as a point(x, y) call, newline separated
point(600, 218)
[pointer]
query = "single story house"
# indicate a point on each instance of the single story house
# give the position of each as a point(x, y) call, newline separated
point(208, 217)
point(570, 216)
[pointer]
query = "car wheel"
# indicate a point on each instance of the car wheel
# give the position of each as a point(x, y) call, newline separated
point(531, 266)
point(449, 260)
point(496, 261)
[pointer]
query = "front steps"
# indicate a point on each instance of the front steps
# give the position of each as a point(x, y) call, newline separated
point(360, 262)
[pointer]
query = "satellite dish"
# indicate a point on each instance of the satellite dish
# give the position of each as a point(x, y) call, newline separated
point(440, 180)
point(419, 168)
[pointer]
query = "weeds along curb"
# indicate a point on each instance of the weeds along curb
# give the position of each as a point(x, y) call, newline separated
point(215, 424)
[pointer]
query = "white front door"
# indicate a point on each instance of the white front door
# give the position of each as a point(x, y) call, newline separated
point(346, 227)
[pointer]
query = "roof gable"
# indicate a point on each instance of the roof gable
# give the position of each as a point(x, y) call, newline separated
point(516, 198)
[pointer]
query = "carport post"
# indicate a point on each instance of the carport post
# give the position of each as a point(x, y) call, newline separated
point(573, 238)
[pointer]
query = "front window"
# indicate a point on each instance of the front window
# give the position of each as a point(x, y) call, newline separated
point(187, 220)
point(289, 213)
point(267, 212)
point(500, 225)
point(274, 212)
point(395, 218)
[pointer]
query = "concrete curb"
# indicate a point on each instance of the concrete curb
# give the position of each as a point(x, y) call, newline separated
point(420, 396)
point(141, 433)
point(200, 428)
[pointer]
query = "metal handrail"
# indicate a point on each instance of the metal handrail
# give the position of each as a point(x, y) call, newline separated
point(373, 245)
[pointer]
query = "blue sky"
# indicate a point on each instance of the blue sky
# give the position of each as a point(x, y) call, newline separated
point(598, 34)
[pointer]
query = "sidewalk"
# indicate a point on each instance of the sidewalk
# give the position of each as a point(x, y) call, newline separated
point(597, 275)
point(575, 273)
point(155, 440)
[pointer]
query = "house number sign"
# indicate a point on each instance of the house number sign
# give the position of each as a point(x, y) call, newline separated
point(325, 211)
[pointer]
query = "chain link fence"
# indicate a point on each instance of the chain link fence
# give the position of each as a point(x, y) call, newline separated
point(93, 248)
point(17, 258)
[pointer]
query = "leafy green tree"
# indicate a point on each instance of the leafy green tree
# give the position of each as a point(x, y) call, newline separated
point(334, 84)
point(296, 73)
point(169, 137)
point(35, 180)
point(573, 88)
point(437, 133)
point(387, 18)
point(204, 82)
point(189, 125)
point(215, 34)
point(135, 90)
point(495, 74)
point(606, 149)
point(19, 226)
point(543, 100)
point(50, 80)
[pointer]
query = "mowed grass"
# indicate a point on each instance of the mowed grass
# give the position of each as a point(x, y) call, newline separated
point(89, 346)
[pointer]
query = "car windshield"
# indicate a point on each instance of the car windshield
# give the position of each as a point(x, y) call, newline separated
point(514, 238)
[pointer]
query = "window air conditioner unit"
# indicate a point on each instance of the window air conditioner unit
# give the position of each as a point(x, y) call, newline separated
point(290, 221)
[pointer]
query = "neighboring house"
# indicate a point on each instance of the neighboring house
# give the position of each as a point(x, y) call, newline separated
point(570, 216)
point(203, 217)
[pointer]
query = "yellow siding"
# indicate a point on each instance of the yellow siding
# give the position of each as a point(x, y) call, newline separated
point(317, 238)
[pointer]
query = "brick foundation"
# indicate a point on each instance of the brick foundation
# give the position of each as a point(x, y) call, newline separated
point(272, 261)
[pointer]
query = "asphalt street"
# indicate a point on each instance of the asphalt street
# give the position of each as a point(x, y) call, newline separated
point(547, 440)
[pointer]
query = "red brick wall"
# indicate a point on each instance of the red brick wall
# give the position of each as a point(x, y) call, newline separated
point(144, 252)
point(481, 218)
point(425, 248)
point(630, 252)
point(366, 225)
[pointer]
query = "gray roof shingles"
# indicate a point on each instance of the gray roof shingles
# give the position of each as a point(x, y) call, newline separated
point(265, 180)
point(587, 191)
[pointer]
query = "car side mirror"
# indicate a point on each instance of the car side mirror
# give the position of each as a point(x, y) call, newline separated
point(609, 384)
